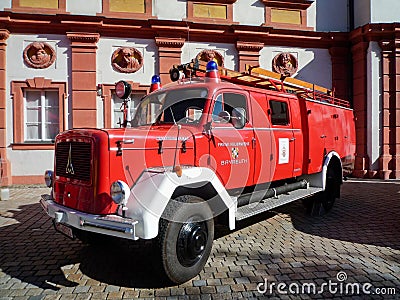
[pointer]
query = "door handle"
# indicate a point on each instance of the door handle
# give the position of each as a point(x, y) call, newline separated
point(292, 139)
point(323, 136)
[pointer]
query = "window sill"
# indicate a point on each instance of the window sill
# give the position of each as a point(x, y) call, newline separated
point(33, 146)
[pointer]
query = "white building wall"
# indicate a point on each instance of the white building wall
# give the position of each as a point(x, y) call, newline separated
point(374, 104)
point(315, 65)
point(169, 9)
point(385, 11)
point(17, 70)
point(31, 162)
point(88, 7)
point(228, 52)
point(105, 71)
point(312, 15)
point(362, 12)
point(376, 11)
point(249, 12)
point(331, 15)
point(5, 4)
point(107, 75)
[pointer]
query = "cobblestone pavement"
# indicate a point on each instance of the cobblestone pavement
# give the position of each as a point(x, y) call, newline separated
point(359, 239)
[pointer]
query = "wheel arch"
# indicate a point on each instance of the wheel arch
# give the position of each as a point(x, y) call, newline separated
point(332, 167)
point(207, 192)
point(153, 191)
point(331, 163)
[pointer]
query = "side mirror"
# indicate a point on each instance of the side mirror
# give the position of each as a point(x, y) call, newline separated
point(238, 117)
point(224, 117)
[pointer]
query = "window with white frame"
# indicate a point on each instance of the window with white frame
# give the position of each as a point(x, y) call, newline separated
point(41, 115)
point(117, 109)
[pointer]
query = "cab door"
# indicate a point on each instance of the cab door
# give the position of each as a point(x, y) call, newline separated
point(281, 126)
point(231, 146)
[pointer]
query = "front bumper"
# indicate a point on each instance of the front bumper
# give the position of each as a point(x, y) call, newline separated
point(112, 225)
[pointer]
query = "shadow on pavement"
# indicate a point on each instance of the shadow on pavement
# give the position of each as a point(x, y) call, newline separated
point(366, 213)
point(33, 252)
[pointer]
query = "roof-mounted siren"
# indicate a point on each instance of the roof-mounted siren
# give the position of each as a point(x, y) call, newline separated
point(155, 83)
point(212, 70)
point(178, 72)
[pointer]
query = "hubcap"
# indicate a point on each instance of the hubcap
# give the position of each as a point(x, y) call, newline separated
point(191, 243)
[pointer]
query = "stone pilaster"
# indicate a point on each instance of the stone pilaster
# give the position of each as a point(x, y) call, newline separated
point(5, 166)
point(359, 51)
point(389, 162)
point(83, 78)
point(169, 54)
point(249, 54)
point(340, 57)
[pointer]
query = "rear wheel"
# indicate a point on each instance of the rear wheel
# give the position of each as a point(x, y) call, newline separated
point(323, 202)
point(185, 237)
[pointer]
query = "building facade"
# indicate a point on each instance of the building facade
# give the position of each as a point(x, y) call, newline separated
point(60, 59)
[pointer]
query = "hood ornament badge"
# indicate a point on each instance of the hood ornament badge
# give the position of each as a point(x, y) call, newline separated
point(70, 167)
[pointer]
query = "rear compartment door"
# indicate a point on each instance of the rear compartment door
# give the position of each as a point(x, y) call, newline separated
point(281, 126)
point(263, 139)
point(315, 138)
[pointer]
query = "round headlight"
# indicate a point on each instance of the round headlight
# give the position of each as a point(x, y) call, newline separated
point(48, 178)
point(120, 192)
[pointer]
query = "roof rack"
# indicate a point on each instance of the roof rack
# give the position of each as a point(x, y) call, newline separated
point(265, 79)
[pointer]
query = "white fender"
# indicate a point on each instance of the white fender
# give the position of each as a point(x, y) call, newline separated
point(319, 179)
point(154, 189)
point(327, 160)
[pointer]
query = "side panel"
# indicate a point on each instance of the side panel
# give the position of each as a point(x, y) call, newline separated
point(330, 128)
point(282, 128)
point(315, 137)
point(296, 121)
point(264, 139)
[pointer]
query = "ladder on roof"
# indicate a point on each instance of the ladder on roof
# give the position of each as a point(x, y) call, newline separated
point(262, 78)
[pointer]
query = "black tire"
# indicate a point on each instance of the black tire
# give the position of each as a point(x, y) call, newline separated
point(185, 238)
point(323, 202)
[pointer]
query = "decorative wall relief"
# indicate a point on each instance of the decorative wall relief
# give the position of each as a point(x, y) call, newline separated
point(285, 63)
point(208, 55)
point(127, 60)
point(39, 55)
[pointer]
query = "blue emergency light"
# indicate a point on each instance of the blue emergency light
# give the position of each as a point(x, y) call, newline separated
point(155, 83)
point(212, 70)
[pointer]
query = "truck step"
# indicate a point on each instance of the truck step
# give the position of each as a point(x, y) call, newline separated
point(255, 208)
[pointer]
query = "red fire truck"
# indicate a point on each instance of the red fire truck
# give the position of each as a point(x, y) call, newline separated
point(217, 147)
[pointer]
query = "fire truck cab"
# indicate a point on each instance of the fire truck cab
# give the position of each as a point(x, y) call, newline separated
point(220, 146)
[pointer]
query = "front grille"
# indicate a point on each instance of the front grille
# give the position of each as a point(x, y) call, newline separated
point(73, 160)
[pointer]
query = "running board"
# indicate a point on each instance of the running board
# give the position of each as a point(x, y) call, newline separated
point(255, 208)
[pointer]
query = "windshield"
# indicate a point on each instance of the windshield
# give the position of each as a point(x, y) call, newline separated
point(181, 106)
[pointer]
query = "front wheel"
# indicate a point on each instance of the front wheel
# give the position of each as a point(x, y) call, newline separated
point(185, 237)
